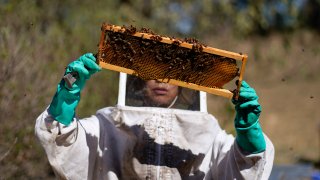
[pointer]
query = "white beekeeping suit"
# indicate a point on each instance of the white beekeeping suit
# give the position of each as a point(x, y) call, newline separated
point(127, 142)
point(136, 143)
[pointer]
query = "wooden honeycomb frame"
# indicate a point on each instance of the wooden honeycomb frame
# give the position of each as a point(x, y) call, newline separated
point(217, 91)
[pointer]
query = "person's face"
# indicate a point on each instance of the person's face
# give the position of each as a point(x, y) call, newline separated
point(160, 94)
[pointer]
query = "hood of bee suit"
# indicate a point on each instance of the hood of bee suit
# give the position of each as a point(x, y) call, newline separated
point(132, 93)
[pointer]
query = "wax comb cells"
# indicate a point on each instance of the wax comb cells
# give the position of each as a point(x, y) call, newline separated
point(151, 56)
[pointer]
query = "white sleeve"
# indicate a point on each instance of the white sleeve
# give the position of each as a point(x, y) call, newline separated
point(71, 150)
point(230, 162)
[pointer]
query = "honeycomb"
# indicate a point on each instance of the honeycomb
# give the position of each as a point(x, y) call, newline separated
point(150, 58)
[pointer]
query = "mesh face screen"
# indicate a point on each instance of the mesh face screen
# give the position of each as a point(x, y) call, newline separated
point(136, 95)
point(151, 58)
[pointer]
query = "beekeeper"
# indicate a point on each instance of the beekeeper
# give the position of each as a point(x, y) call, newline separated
point(151, 137)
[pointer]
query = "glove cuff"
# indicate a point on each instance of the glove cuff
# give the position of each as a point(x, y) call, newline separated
point(251, 139)
point(63, 105)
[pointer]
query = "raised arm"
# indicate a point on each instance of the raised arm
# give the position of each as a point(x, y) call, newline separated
point(66, 99)
point(250, 155)
point(249, 133)
point(70, 145)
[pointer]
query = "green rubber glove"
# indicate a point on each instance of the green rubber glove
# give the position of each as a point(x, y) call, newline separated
point(249, 133)
point(66, 99)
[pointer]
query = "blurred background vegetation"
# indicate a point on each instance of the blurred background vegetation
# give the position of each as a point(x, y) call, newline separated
point(39, 38)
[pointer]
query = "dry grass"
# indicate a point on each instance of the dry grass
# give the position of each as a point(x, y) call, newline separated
point(284, 72)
